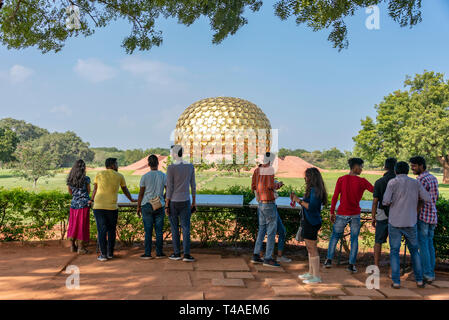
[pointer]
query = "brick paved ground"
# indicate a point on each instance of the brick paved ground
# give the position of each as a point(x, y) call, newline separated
point(40, 273)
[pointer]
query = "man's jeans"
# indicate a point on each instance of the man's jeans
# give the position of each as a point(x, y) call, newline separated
point(153, 218)
point(180, 210)
point(281, 231)
point(337, 232)
point(106, 221)
point(268, 218)
point(426, 248)
point(411, 235)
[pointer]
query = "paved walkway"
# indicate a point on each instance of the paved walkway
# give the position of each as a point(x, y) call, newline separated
point(40, 273)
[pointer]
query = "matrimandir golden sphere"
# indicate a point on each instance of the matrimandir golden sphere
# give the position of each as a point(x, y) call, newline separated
point(207, 119)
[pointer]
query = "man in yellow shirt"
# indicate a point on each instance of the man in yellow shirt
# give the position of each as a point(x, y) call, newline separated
point(104, 198)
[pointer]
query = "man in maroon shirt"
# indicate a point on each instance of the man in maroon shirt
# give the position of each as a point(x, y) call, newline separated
point(350, 188)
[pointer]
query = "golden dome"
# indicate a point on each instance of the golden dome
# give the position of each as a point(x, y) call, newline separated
point(209, 120)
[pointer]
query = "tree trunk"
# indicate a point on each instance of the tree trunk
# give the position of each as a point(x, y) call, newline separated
point(34, 183)
point(446, 173)
point(444, 161)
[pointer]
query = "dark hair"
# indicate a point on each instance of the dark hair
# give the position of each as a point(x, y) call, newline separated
point(355, 161)
point(315, 180)
point(390, 163)
point(419, 161)
point(77, 175)
point(110, 162)
point(153, 161)
point(402, 167)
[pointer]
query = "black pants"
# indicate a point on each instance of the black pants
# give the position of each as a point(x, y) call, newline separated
point(106, 226)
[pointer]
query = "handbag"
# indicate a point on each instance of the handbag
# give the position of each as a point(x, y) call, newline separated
point(299, 232)
point(156, 203)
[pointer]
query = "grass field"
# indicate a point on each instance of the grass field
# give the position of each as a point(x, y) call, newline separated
point(205, 180)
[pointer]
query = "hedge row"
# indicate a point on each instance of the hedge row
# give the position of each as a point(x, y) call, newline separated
point(28, 216)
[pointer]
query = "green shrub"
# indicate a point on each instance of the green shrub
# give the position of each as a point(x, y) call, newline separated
point(28, 215)
point(441, 238)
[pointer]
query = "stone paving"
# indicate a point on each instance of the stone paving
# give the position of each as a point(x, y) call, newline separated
point(40, 273)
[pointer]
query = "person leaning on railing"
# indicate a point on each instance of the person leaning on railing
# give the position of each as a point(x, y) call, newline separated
point(263, 186)
point(104, 197)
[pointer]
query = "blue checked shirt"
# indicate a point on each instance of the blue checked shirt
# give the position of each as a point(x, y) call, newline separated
point(428, 213)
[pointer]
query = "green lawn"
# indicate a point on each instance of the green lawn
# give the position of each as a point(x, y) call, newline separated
point(205, 180)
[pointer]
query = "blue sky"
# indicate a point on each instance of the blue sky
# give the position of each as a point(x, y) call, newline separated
point(315, 95)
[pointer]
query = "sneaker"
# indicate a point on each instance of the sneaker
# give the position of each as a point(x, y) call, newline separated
point(161, 256)
point(351, 268)
point(110, 256)
point(175, 257)
point(312, 280)
point(305, 276)
point(146, 257)
point(271, 263)
point(283, 259)
point(102, 258)
point(82, 251)
point(328, 263)
point(256, 259)
point(420, 284)
point(188, 258)
point(428, 280)
point(396, 286)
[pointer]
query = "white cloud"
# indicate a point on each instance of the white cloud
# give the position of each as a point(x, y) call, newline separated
point(154, 72)
point(62, 109)
point(19, 73)
point(94, 70)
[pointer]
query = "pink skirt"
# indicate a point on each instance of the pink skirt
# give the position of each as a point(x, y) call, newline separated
point(79, 224)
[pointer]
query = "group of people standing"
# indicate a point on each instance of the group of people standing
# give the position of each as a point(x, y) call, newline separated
point(160, 194)
point(402, 206)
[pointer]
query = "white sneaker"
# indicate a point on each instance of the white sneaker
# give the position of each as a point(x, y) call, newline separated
point(312, 280)
point(283, 259)
point(305, 276)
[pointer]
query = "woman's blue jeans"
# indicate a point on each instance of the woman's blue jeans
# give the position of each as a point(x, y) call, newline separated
point(153, 218)
point(337, 233)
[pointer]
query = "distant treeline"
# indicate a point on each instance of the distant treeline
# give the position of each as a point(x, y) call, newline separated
point(125, 157)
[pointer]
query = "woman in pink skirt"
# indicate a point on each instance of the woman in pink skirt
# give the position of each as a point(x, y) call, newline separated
point(79, 188)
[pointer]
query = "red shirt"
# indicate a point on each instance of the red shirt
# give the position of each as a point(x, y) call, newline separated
point(263, 183)
point(351, 189)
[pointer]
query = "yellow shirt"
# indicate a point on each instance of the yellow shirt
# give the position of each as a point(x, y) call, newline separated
point(108, 183)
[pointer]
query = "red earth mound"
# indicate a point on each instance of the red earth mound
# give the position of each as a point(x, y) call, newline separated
point(141, 167)
point(291, 167)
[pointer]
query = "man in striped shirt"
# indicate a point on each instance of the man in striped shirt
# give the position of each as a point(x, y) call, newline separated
point(427, 218)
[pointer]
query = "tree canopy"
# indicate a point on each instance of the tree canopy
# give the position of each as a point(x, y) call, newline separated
point(65, 148)
point(410, 122)
point(24, 131)
point(8, 144)
point(34, 162)
point(43, 23)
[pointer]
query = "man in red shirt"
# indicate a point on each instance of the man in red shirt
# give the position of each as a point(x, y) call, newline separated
point(350, 188)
